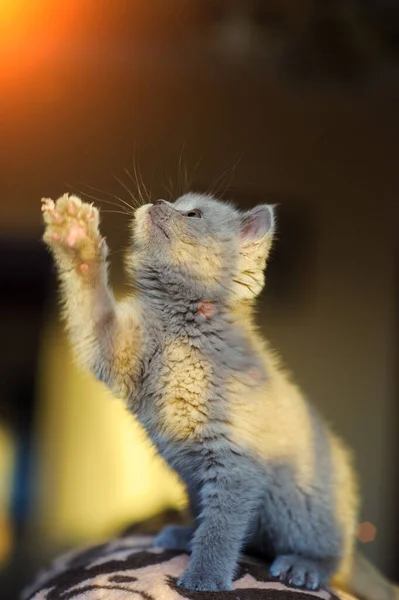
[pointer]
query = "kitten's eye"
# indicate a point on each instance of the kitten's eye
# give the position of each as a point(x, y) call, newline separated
point(197, 214)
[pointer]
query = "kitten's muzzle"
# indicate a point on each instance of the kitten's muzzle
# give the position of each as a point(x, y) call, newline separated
point(160, 210)
point(159, 213)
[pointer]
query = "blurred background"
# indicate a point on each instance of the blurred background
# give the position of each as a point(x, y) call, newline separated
point(287, 101)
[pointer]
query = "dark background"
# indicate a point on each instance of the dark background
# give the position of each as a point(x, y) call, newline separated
point(294, 102)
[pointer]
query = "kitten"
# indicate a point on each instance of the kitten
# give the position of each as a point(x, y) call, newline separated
point(262, 470)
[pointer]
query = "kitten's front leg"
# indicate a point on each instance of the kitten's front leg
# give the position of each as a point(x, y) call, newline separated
point(228, 500)
point(105, 335)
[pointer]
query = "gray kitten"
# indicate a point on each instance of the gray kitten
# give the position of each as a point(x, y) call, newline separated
point(262, 470)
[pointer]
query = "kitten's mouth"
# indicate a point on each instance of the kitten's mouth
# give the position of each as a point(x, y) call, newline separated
point(158, 226)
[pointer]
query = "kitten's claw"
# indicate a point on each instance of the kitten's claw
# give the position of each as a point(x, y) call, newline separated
point(48, 205)
point(298, 571)
point(72, 208)
point(203, 582)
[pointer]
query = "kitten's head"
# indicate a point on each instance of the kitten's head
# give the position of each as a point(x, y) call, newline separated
point(200, 242)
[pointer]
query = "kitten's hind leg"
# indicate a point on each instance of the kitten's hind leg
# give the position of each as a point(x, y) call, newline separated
point(175, 537)
point(302, 572)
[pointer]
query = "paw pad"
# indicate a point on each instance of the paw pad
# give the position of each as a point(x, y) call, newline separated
point(83, 268)
point(75, 233)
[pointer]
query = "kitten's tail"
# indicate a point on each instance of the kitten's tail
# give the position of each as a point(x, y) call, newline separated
point(368, 583)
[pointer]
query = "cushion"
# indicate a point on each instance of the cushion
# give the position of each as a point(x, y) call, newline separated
point(129, 568)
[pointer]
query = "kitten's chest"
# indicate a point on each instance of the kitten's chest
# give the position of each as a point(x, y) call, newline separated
point(192, 382)
point(188, 379)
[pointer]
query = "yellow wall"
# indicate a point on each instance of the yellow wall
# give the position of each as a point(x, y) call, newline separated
point(97, 471)
point(7, 471)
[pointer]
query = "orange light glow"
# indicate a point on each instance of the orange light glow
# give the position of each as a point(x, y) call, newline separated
point(31, 32)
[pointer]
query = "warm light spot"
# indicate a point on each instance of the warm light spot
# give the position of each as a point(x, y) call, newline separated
point(30, 32)
point(9, 10)
point(7, 470)
point(366, 532)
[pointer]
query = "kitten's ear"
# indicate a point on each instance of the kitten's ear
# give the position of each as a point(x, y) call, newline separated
point(257, 223)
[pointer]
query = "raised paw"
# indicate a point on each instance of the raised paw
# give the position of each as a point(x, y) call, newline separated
point(203, 582)
point(175, 537)
point(72, 226)
point(298, 571)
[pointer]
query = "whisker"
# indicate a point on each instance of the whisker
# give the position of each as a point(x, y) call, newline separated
point(135, 183)
point(102, 200)
point(129, 191)
point(107, 193)
point(218, 182)
point(136, 180)
point(189, 180)
point(184, 173)
point(179, 168)
point(243, 284)
point(116, 212)
point(154, 163)
point(117, 251)
point(138, 186)
point(140, 180)
point(170, 188)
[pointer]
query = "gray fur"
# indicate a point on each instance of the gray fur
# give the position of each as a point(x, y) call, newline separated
point(242, 502)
